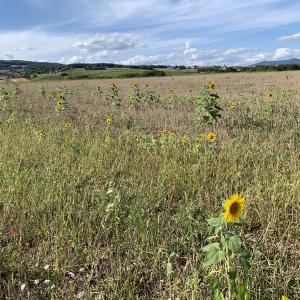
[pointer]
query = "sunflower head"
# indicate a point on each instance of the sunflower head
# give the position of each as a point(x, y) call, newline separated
point(113, 85)
point(211, 137)
point(185, 139)
point(270, 95)
point(234, 207)
point(284, 297)
point(136, 85)
point(108, 120)
point(212, 85)
point(68, 125)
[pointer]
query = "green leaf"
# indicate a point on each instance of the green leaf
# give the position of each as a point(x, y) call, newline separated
point(169, 269)
point(242, 292)
point(235, 243)
point(215, 222)
point(209, 246)
point(214, 255)
point(217, 295)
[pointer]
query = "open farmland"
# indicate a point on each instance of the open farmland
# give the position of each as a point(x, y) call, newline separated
point(105, 190)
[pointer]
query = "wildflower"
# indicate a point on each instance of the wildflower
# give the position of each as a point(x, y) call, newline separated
point(108, 120)
point(68, 125)
point(47, 281)
point(211, 137)
point(234, 207)
point(81, 270)
point(36, 282)
point(283, 297)
point(164, 132)
point(172, 134)
point(47, 267)
point(212, 85)
point(113, 85)
point(23, 286)
point(270, 95)
point(13, 114)
point(71, 274)
point(171, 90)
point(40, 135)
point(136, 85)
point(80, 295)
point(185, 138)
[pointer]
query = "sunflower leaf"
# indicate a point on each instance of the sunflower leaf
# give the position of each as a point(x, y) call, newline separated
point(215, 222)
point(235, 243)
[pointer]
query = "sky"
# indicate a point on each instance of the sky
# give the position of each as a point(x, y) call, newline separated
point(136, 32)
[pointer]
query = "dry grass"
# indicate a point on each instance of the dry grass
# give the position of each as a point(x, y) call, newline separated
point(55, 209)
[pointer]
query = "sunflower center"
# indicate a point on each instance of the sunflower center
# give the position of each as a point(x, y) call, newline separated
point(234, 208)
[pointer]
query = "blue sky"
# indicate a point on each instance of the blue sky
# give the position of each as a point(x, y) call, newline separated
point(189, 32)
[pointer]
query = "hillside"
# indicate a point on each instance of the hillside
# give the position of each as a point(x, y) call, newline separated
point(292, 61)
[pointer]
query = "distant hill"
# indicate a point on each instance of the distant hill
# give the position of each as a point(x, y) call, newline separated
point(292, 61)
point(32, 69)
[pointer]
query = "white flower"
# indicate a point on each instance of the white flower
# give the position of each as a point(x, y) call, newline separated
point(52, 286)
point(80, 295)
point(81, 270)
point(47, 267)
point(23, 286)
point(72, 275)
point(36, 282)
point(47, 281)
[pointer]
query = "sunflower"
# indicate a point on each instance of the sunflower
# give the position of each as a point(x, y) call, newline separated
point(113, 85)
point(211, 137)
point(108, 120)
point(284, 297)
point(60, 103)
point(185, 139)
point(136, 85)
point(234, 207)
point(270, 95)
point(212, 85)
point(68, 125)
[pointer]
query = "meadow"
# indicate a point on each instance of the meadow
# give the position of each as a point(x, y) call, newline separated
point(106, 187)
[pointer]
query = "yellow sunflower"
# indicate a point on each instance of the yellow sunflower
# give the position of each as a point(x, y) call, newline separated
point(185, 139)
point(113, 85)
point(212, 85)
point(211, 137)
point(284, 297)
point(234, 207)
point(270, 95)
point(68, 125)
point(108, 120)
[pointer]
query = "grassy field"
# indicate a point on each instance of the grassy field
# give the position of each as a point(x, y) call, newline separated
point(77, 73)
point(102, 201)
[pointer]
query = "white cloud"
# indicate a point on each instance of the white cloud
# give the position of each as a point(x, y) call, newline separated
point(148, 60)
point(237, 51)
point(76, 59)
point(286, 53)
point(113, 41)
point(287, 38)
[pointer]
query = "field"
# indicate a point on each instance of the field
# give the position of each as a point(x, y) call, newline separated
point(105, 189)
point(81, 73)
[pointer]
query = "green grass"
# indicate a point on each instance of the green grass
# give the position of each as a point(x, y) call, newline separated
point(98, 74)
point(55, 209)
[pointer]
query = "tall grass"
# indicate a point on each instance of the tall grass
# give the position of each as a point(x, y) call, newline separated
point(111, 208)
